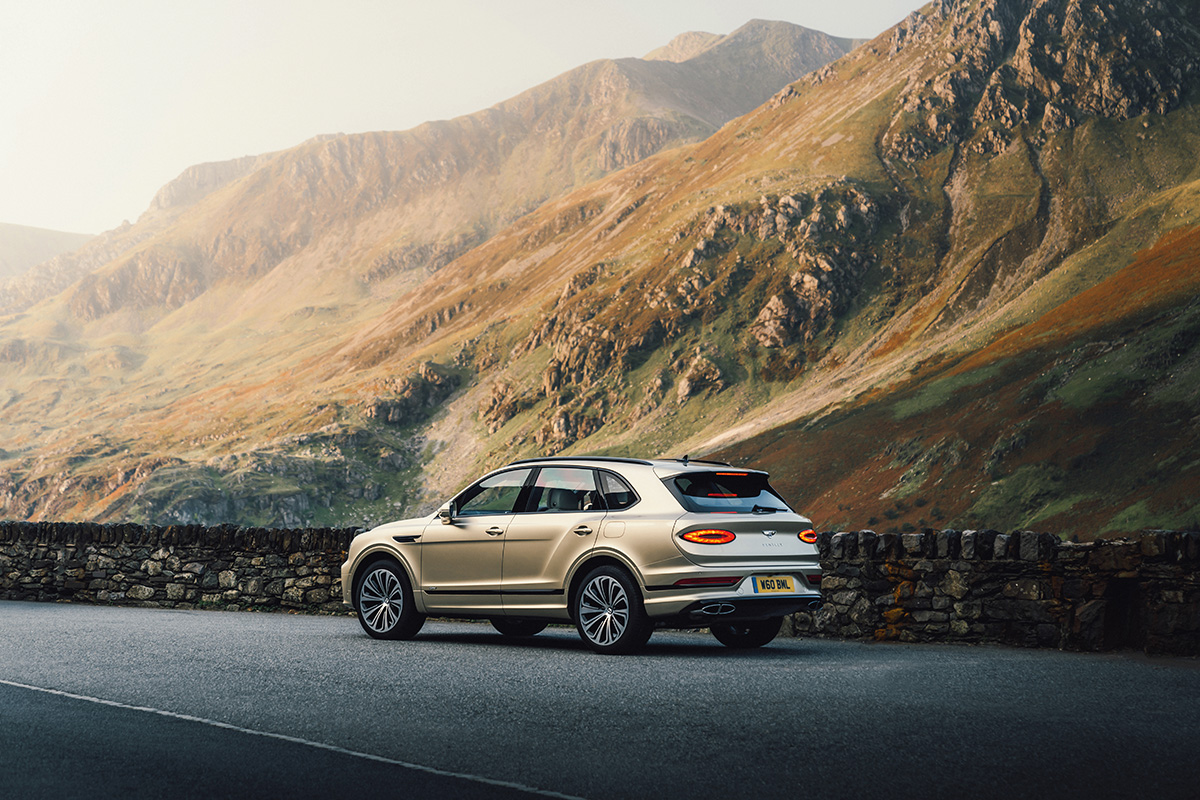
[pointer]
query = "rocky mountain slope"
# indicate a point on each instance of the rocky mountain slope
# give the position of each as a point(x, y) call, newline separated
point(945, 280)
point(240, 270)
point(948, 280)
point(1044, 371)
point(22, 247)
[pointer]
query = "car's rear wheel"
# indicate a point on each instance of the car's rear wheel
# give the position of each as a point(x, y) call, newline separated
point(384, 602)
point(519, 627)
point(744, 635)
point(608, 612)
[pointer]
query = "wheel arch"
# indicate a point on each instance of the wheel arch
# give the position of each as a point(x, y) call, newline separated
point(375, 555)
point(604, 559)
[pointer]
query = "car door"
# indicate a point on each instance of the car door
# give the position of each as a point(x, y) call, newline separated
point(563, 513)
point(461, 555)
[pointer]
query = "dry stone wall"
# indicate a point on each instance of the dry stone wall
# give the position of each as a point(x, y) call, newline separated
point(177, 566)
point(1022, 588)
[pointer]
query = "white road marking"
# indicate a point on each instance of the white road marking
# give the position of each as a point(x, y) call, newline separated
point(294, 740)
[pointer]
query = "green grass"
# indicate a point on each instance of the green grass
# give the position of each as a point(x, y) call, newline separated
point(1155, 358)
point(1141, 516)
point(1021, 498)
point(942, 391)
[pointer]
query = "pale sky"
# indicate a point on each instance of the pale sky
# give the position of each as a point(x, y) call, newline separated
point(101, 103)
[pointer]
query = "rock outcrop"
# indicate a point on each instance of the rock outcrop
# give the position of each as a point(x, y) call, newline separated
point(158, 278)
point(407, 401)
point(504, 402)
point(1042, 63)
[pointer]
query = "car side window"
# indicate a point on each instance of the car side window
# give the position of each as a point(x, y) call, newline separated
point(564, 489)
point(496, 494)
point(617, 493)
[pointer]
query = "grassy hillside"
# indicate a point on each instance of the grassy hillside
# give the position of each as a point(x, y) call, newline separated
point(1080, 422)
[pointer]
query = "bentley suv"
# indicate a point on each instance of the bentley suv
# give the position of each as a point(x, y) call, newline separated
point(617, 546)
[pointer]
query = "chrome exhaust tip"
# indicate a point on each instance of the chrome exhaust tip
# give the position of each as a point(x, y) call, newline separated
point(718, 609)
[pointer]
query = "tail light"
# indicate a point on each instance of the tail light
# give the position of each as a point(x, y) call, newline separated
point(809, 536)
point(708, 536)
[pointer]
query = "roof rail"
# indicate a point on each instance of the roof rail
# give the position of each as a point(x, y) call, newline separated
point(619, 460)
point(613, 459)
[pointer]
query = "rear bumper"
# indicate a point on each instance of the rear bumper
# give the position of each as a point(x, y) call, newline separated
point(741, 609)
point(677, 609)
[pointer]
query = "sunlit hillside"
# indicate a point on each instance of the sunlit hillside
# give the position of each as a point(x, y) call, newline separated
point(240, 271)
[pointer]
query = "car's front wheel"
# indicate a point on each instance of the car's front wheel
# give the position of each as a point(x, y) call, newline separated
point(608, 612)
point(744, 635)
point(519, 627)
point(384, 602)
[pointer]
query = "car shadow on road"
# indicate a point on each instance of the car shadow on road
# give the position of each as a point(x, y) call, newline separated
point(680, 645)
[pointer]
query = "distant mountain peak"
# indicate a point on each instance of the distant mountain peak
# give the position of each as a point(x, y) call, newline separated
point(769, 36)
point(684, 46)
point(22, 247)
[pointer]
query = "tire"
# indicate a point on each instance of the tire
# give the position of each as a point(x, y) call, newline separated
point(511, 626)
point(384, 601)
point(744, 635)
point(609, 614)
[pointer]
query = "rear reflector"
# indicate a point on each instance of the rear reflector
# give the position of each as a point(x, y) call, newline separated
point(815, 580)
point(809, 536)
point(709, 536)
point(714, 581)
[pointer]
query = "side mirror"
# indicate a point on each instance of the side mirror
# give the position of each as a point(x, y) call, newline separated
point(446, 515)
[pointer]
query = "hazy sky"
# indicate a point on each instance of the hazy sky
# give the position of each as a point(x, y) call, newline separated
point(101, 103)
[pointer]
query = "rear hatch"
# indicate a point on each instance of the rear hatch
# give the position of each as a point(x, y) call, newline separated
point(734, 517)
point(755, 540)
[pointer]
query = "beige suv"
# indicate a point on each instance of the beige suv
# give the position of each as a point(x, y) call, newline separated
point(615, 545)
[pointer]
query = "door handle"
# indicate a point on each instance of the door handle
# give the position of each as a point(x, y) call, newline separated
point(494, 531)
point(583, 530)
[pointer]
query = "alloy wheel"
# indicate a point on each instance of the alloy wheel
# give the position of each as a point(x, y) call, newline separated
point(604, 610)
point(381, 600)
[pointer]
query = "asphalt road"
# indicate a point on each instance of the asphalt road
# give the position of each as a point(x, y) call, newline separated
point(113, 702)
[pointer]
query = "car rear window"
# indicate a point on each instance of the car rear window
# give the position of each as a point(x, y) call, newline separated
point(730, 492)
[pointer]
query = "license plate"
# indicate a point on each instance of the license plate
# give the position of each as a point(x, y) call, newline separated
point(774, 584)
